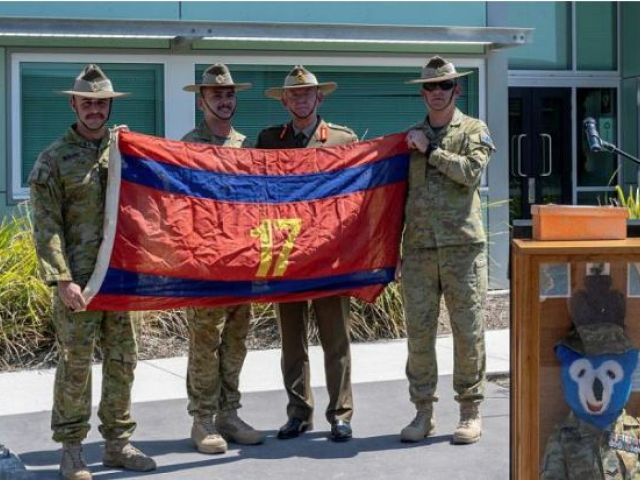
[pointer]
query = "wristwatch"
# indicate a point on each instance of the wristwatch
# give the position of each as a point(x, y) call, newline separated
point(432, 146)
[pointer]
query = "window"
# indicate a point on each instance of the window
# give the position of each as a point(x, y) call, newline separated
point(596, 35)
point(45, 115)
point(551, 48)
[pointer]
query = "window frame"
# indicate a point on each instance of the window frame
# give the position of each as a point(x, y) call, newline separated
point(17, 192)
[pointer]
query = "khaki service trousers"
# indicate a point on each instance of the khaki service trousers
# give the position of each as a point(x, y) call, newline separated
point(332, 318)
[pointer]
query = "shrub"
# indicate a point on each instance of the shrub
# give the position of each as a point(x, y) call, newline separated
point(25, 302)
point(631, 202)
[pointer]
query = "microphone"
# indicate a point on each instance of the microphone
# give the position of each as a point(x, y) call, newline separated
point(593, 139)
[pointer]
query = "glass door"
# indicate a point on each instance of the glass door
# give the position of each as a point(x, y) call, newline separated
point(539, 148)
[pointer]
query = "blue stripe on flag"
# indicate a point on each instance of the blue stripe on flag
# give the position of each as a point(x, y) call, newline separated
point(122, 282)
point(263, 188)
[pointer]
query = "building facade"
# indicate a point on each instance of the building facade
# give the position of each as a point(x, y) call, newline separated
point(539, 69)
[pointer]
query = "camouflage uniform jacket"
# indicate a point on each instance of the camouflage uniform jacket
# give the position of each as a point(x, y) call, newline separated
point(202, 134)
point(68, 185)
point(443, 203)
point(577, 450)
point(325, 135)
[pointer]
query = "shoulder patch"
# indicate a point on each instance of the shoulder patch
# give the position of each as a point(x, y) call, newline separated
point(485, 139)
point(339, 127)
point(40, 172)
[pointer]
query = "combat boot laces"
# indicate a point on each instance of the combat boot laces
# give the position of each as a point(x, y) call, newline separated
point(72, 465)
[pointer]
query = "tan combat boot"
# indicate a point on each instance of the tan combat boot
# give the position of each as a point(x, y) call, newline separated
point(205, 436)
point(72, 465)
point(469, 428)
point(420, 427)
point(121, 454)
point(234, 429)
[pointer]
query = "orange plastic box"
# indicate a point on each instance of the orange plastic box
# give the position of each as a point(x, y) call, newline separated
point(579, 222)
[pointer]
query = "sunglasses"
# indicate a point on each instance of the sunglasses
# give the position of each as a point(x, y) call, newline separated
point(444, 86)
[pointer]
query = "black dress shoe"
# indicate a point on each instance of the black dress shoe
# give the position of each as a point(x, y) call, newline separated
point(340, 431)
point(293, 428)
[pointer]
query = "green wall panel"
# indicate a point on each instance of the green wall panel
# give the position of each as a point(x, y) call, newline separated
point(597, 28)
point(468, 14)
point(99, 10)
point(630, 38)
point(551, 45)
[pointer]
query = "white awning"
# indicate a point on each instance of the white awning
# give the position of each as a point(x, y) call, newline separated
point(186, 32)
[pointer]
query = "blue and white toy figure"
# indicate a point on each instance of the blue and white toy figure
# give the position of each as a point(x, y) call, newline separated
point(596, 387)
point(598, 440)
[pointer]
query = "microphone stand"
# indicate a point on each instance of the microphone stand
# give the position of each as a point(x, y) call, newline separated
point(610, 147)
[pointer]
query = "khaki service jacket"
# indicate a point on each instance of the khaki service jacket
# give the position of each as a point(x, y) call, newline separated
point(325, 135)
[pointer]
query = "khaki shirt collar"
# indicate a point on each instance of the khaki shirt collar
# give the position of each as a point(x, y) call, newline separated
point(204, 133)
point(308, 132)
point(456, 120)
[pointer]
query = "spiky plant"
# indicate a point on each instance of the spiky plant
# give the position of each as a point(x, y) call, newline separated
point(630, 202)
point(25, 300)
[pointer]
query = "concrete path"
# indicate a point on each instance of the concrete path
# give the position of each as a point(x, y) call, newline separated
point(382, 408)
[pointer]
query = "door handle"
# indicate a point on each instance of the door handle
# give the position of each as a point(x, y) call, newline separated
point(550, 156)
point(519, 157)
point(513, 155)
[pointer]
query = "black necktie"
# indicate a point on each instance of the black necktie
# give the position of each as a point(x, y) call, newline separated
point(301, 139)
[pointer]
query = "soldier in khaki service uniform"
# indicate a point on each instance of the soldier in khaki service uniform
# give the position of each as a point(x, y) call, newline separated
point(68, 184)
point(302, 95)
point(444, 251)
point(217, 335)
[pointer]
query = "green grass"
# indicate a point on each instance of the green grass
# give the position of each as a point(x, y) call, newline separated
point(25, 302)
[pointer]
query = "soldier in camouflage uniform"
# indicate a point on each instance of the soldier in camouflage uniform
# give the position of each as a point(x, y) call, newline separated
point(444, 251)
point(217, 335)
point(579, 450)
point(301, 95)
point(68, 184)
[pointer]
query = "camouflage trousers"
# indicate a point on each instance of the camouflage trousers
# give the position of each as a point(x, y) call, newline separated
point(332, 319)
point(217, 351)
point(76, 334)
point(460, 274)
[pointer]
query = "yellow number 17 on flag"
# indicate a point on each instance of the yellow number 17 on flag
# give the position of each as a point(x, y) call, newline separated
point(264, 232)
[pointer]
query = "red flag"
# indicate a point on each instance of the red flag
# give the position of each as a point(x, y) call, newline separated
point(197, 225)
